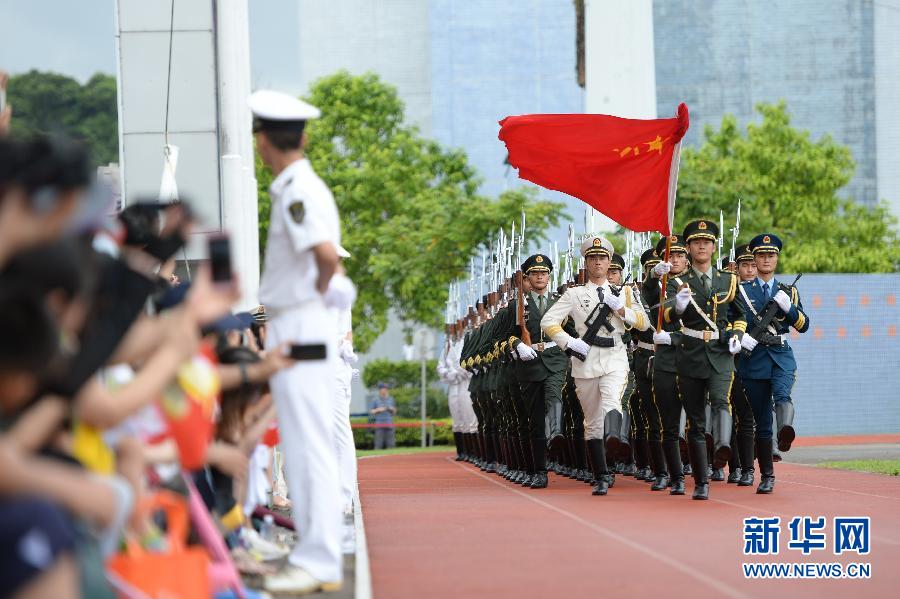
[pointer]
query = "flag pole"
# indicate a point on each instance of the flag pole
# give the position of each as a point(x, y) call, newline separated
point(662, 292)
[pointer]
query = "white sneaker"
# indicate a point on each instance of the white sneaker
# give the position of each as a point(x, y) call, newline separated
point(258, 546)
point(293, 580)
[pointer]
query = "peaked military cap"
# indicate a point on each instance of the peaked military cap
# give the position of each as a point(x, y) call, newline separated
point(765, 242)
point(649, 257)
point(676, 245)
point(537, 263)
point(276, 110)
point(701, 229)
point(597, 246)
point(743, 253)
point(617, 262)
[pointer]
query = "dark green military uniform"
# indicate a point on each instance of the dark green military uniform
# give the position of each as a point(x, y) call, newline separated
point(704, 363)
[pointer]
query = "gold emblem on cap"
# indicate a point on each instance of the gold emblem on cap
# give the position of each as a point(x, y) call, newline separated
point(596, 242)
point(767, 239)
point(702, 226)
point(539, 259)
point(674, 238)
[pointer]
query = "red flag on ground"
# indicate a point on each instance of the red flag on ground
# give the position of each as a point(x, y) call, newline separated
point(626, 169)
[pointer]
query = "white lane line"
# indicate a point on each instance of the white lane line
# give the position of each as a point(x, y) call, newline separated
point(363, 587)
point(793, 482)
point(722, 587)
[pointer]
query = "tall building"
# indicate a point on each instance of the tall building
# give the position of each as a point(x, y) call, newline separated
point(835, 63)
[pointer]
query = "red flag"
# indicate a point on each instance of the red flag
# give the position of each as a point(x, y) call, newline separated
point(626, 169)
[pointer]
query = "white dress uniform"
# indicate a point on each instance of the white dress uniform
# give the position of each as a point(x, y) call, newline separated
point(303, 215)
point(344, 444)
point(601, 379)
point(465, 420)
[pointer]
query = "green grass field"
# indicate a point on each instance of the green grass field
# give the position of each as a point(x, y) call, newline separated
point(361, 453)
point(889, 467)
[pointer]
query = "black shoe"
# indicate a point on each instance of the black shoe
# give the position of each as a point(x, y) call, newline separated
point(601, 487)
point(661, 483)
point(687, 470)
point(784, 420)
point(491, 467)
point(717, 475)
point(766, 485)
point(584, 476)
point(644, 474)
point(539, 481)
point(527, 480)
point(460, 457)
point(677, 487)
point(620, 468)
point(734, 475)
point(776, 457)
point(701, 491)
point(746, 478)
point(611, 479)
point(629, 470)
point(502, 470)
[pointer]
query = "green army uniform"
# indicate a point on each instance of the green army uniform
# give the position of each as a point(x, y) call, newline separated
point(703, 360)
point(542, 377)
point(663, 372)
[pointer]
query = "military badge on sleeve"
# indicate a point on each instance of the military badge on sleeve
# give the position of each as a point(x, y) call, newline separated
point(297, 211)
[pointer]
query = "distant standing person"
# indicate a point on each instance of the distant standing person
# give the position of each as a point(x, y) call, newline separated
point(382, 410)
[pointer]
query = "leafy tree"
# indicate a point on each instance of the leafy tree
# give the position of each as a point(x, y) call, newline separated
point(54, 103)
point(410, 209)
point(789, 185)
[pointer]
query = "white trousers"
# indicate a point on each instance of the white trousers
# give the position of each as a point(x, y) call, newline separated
point(599, 396)
point(304, 398)
point(343, 436)
point(460, 403)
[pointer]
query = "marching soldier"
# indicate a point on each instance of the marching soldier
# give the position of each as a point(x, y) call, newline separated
point(664, 379)
point(769, 371)
point(600, 369)
point(623, 460)
point(541, 367)
point(712, 326)
point(740, 465)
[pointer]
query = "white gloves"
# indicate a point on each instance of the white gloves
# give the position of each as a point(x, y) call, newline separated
point(579, 346)
point(614, 302)
point(662, 268)
point(348, 355)
point(341, 292)
point(784, 302)
point(682, 299)
point(748, 342)
point(442, 373)
point(662, 338)
point(354, 374)
point(734, 345)
point(525, 352)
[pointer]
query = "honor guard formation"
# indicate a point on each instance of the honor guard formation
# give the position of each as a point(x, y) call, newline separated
point(655, 364)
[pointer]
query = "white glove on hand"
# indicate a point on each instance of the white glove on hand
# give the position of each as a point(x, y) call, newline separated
point(525, 353)
point(784, 302)
point(614, 302)
point(348, 355)
point(354, 374)
point(662, 338)
point(441, 370)
point(748, 342)
point(662, 268)
point(341, 292)
point(579, 346)
point(682, 299)
point(734, 345)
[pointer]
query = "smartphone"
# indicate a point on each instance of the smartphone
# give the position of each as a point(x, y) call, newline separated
point(312, 351)
point(220, 258)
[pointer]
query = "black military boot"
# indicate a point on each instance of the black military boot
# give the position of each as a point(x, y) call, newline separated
point(746, 452)
point(734, 462)
point(661, 473)
point(784, 425)
point(766, 467)
point(457, 439)
point(672, 458)
point(641, 456)
point(698, 462)
point(597, 450)
point(539, 454)
point(722, 429)
point(612, 430)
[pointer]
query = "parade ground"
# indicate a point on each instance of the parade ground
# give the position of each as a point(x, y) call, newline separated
point(439, 528)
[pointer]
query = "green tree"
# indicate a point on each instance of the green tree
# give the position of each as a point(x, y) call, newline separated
point(54, 103)
point(410, 209)
point(789, 184)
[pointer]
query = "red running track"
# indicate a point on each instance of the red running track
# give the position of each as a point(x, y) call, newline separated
point(437, 528)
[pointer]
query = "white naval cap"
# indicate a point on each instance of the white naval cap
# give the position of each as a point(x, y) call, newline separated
point(597, 245)
point(270, 105)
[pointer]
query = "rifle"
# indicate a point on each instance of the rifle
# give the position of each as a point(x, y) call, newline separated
point(734, 233)
point(601, 315)
point(760, 330)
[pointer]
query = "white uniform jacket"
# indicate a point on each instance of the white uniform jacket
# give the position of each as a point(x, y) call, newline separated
point(577, 303)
